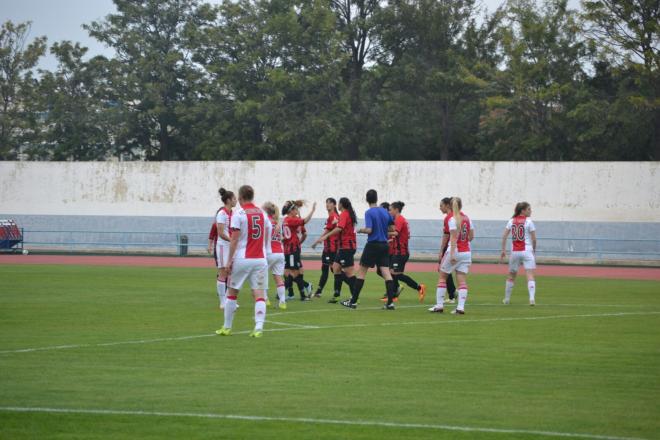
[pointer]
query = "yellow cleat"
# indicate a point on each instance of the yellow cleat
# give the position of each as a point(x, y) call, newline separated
point(256, 334)
point(223, 332)
point(282, 306)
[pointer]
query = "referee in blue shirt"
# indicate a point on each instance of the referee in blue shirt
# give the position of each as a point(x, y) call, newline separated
point(378, 223)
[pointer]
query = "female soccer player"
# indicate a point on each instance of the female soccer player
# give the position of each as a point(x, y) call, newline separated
point(457, 258)
point(523, 235)
point(399, 252)
point(222, 220)
point(445, 207)
point(330, 246)
point(291, 224)
point(342, 267)
point(275, 253)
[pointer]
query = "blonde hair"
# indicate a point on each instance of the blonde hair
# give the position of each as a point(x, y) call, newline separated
point(271, 210)
point(456, 205)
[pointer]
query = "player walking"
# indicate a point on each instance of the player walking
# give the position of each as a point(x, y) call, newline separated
point(275, 253)
point(222, 220)
point(376, 252)
point(399, 252)
point(523, 249)
point(330, 245)
point(247, 260)
point(445, 207)
point(291, 225)
point(342, 267)
point(457, 258)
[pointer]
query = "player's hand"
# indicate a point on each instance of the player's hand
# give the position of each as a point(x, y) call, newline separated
point(502, 256)
point(453, 258)
point(230, 265)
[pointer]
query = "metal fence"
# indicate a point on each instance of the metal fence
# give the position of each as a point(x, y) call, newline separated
point(595, 249)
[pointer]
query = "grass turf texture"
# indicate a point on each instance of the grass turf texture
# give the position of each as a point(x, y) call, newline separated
point(488, 369)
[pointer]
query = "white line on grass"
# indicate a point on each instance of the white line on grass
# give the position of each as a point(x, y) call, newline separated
point(292, 325)
point(453, 320)
point(315, 421)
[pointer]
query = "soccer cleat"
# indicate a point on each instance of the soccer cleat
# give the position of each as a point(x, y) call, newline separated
point(317, 294)
point(422, 292)
point(308, 289)
point(532, 303)
point(305, 298)
point(267, 302)
point(458, 312)
point(450, 301)
point(436, 309)
point(333, 300)
point(256, 334)
point(282, 305)
point(389, 306)
point(223, 332)
point(349, 304)
point(505, 301)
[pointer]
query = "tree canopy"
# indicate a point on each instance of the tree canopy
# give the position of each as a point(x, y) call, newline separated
point(340, 80)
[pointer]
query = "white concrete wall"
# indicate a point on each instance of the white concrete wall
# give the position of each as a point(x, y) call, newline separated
point(568, 191)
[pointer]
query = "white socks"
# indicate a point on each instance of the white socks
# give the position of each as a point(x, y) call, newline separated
point(531, 288)
point(440, 295)
point(230, 309)
point(259, 314)
point(221, 287)
point(507, 291)
point(462, 297)
point(281, 291)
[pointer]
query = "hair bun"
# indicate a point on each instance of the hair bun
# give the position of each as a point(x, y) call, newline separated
point(222, 191)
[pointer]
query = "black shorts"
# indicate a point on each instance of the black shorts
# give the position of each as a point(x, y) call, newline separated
point(327, 258)
point(375, 253)
point(344, 257)
point(398, 262)
point(292, 261)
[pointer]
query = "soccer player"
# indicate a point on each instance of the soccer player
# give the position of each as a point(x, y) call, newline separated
point(290, 227)
point(222, 220)
point(213, 240)
point(399, 253)
point(247, 260)
point(342, 267)
point(330, 245)
point(457, 258)
point(378, 223)
point(275, 253)
point(523, 249)
point(445, 207)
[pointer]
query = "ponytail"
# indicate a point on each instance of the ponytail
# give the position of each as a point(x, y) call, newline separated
point(456, 206)
point(290, 204)
point(346, 204)
point(520, 207)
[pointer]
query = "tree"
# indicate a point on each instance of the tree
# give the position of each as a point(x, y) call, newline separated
point(18, 115)
point(155, 74)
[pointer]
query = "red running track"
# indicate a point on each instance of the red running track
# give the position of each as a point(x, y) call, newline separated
point(626, 273)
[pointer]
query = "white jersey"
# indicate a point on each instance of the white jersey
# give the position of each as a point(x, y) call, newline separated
point(223, 217)
point(521, 228)
point(255, 231)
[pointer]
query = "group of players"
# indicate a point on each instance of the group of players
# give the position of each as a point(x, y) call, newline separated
point(248, 242)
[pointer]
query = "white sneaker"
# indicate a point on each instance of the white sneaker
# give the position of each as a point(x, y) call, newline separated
point(532, 302)
point(458, 312)
point(505, 301)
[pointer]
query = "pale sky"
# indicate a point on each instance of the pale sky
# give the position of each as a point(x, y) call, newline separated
point(63, 19)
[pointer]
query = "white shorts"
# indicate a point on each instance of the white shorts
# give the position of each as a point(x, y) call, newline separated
point(526, 258)
point(221, 254)
point(255, 270)
point(463, 262)
point(276, 264)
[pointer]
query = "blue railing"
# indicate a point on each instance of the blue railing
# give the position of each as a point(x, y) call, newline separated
point(182, 243)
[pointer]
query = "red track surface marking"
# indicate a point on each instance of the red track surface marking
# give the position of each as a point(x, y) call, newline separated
point(626, 273)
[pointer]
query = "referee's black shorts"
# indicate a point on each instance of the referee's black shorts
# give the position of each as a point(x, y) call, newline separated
point(376, 253)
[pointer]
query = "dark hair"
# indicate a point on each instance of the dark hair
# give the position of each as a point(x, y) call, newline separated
point(225, 195)
point(346, 204)
point(290, 204)
point(520, 207)
point(446, 201)
point(372, 196)
point(333, 201)
point(385, 205)
point(398, 206)
point(246, 192)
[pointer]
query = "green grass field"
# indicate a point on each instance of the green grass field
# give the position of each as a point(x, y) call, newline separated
point(136, 345)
